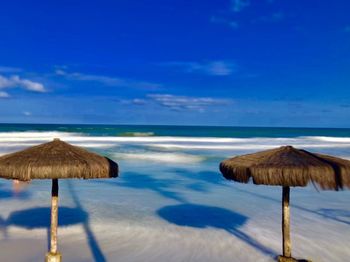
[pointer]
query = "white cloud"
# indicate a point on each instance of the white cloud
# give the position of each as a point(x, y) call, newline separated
point(16, 81)
point(4, 95)
point(107, 80)
point(215, 68)
point(28, 84)
point(27, 113)
point(60, 72)
point(5, 82)
point(220, 68)
point(239, 5)
point(185, 102)
point(138, 101)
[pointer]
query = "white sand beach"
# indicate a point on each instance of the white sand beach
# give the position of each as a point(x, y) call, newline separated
point(160, 210)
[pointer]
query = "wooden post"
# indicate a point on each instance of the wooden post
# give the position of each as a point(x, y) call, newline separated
point(286, 223)
point(54, 216)
point(53, 255)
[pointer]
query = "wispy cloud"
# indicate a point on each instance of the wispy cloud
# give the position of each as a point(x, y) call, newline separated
point(215, 68)
point(26, 113)
point(231, 17)
point(270, 18)
point(16, 81)
point(7, 69)
point(108, 81)
point(138, 101)
point(180, 103)
point(135, 101)
point(239, 5)
point(4, 95)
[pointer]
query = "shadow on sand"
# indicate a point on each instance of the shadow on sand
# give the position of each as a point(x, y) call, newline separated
point(3, 228)
point(200, 181)
point(39, 217)
point(200, 216)
point(186, 214)
point(147, 182)
point(338, 215)
point(6, 193)
point(209, 177)
point(92, 241)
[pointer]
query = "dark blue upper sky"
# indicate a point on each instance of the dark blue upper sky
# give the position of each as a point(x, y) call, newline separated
point(222, 62)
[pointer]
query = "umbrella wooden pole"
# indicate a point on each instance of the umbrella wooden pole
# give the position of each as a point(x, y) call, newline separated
point(53, 255)
point(54, 216)
point(286, 223)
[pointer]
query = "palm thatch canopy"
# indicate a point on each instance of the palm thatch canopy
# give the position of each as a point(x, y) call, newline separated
point(288, 166)
point(56, 160)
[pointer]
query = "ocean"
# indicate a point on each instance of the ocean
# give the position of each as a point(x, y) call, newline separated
point(170, 202)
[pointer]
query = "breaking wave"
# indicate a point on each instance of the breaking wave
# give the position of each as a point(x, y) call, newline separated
point(12, 141)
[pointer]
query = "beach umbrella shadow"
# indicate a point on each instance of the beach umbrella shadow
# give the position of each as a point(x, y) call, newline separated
point(201, 216)
point(92, 241)
point(3, 228)
point(36, 218)
point(141, 181)
point(208, 177)
point(339, 215)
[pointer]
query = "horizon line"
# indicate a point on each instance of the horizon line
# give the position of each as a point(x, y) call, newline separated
point(173, 125)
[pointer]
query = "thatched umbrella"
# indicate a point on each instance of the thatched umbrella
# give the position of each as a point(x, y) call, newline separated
point(288, 167)
point(55, 160)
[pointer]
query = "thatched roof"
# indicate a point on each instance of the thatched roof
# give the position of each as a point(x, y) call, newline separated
point(288, 166)
point(56, 159)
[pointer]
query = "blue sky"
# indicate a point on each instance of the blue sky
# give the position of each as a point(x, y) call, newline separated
point(222, 62)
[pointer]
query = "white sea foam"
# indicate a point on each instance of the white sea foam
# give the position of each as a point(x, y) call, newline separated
point(331, 139)
point(35, 135)
point(137, 134)
point(77, 137)
point(160, 157)
point(243, 146)
point(15, 140)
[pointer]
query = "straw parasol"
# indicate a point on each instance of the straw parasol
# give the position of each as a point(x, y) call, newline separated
point(56, 160)
point(288, 167)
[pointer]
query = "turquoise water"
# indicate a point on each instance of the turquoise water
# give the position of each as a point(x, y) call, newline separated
point(193, 131)
point(170, 202)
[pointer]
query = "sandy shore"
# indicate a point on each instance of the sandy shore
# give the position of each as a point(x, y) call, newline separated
point(176, 208)
point(160, 241)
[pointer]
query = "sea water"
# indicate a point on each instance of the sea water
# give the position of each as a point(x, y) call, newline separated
point(170, 202)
